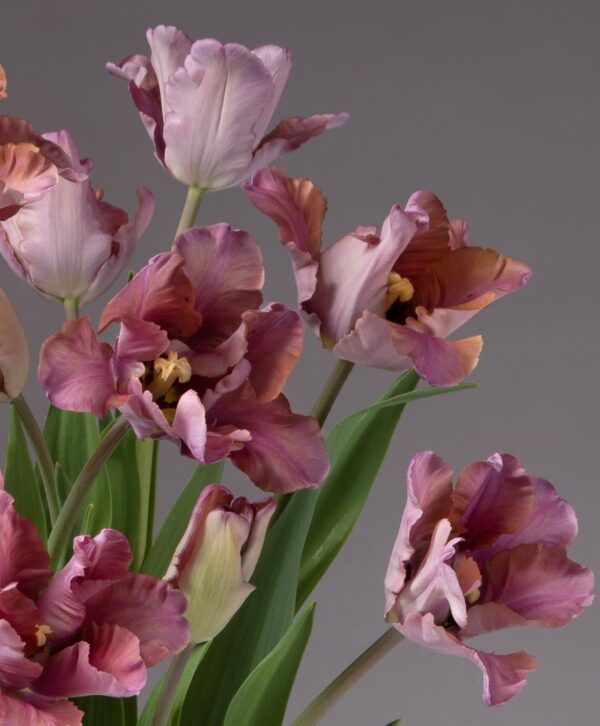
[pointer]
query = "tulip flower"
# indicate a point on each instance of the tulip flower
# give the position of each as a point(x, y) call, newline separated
point(486, 555)
point(207, 106)
point(216, 557)
point(388, 299)
point(30, 165)
point(196, 362)
point(93, 629)
point(70, 244)
point(14, 352)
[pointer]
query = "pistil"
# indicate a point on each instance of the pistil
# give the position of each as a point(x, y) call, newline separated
point(400, 289)
point(167, 372)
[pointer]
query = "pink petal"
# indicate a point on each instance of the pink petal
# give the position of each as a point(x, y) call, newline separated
point(383, 344)
point(215, 103)
point(503, 675)
point(538, 583)
point(275, 338)
point(189, 425)
point(429, 496)
point(278, 61)
point(108, 665)
point(286, 451)
point(148, 608)
point(76, 370)
point(226, 271)
point(23, 557)
point(169, 48)
point(354, 271)
point(14, 351)
point(291, 134)
point(160, 293)
point(29, 709)
point(21, 613)
point(492, 498)
point(25, 175)
point(138, 341)
point(16, 671)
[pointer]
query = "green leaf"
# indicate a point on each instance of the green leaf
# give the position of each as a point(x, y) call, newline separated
point(357, 447)
point(263, 697)
point(161, 552)
point(72, 438)
point(20, 480)
point(259, 624)
point(147, 717)
point(102, 710)
point(397, 722)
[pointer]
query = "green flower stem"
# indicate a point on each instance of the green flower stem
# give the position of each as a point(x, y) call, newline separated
point(169, 690)
point(192, 204)
point(81, 488)
point(333, 385)
point(348, 678)
point(71, 306)
point(43, 456)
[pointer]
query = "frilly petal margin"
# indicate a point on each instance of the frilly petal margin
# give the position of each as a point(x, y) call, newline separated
point(503, 675)
point(30, 709)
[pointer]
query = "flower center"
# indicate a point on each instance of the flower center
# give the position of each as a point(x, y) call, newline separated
point(400, 289)
point(41, 634)
point(167, 373)
point(472, 597)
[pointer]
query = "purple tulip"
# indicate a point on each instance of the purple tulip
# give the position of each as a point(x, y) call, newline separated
point(488, 554)
point(93, 629)
point(388, 299)
point(195, 362)
point(70, 243)
point(207, 106)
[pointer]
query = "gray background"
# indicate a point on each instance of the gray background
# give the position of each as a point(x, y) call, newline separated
point(492, 105)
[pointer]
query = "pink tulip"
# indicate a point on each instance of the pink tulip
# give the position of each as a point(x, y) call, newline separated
point(30, 165)
point(93, 629)
point(488, 554)
point(207, 106)
point(70, 243)
point(388, 299)
point(215, 560)
point(196, 362)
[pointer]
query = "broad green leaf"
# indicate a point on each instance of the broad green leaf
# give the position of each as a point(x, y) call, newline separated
point(20, 480)
point(357, 447)
point(262, 698)
point(259, 624)
point(147, 716)
point(102, 710)
point(72, 438)
point(161, 552)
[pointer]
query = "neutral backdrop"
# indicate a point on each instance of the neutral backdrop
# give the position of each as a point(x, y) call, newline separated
point(492, 105)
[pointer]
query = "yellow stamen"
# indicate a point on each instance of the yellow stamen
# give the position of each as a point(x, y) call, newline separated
point(399, 289)
point(472, 597)
point(41, 634)
point(167, 372)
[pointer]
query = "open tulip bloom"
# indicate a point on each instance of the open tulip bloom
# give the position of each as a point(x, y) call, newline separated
point(187, 351)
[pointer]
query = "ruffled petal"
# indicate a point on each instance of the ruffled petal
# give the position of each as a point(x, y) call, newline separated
point(16, 671)
point(503, 675)
point(29, 709)
point(189, 425)
point(226, 271)
point(76, 371)
point(214, 104)
point(286, 451)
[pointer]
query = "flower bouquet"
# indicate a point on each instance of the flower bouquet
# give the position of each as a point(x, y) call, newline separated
point(188, 352)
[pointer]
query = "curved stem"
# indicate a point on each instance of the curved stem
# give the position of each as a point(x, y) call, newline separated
point(71, 306)
point(83, 484)
point(43, 456)
point(348, 678)
point(169, 690)
point(329, 392)
point(192, 204)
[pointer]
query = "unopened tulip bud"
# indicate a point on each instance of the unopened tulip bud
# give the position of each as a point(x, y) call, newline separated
point(216, 557)
point(14, 352)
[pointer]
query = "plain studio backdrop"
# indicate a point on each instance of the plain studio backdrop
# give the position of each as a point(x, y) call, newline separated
point(493, 106)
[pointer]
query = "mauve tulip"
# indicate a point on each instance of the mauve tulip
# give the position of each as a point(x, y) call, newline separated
point(93, 629)
point(486, 555)
point(30, 165)
point(70, 244)
point(195, 362)
point(207, 106)
point(216, 557)
point(388, 299)
point(14, 352)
